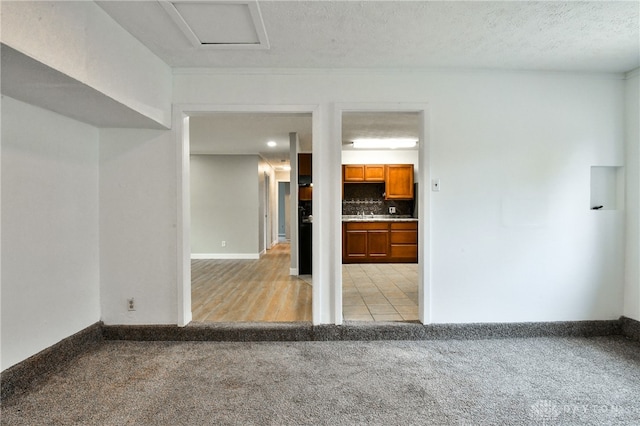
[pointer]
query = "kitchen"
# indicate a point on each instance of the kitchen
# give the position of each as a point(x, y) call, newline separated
point(379, 215)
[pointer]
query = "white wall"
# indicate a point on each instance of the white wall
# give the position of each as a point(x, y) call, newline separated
point(632, 136)
point(82, 41)
point(50, 272)
point(225, 206)
point(138, 215)
point(513, 238)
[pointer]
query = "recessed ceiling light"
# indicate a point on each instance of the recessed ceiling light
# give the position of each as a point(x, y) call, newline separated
point(286, 168)
point(271, 144)
point(391, 143)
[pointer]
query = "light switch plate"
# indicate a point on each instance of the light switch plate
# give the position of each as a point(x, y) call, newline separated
point(435, 185)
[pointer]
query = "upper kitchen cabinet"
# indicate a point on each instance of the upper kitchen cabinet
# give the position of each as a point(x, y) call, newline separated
point(399, 181)
point(304, 165)
point(363, 172)
point(305, 188)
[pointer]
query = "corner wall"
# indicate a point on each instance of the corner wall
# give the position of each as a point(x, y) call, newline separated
point(50, 260)
point(632, 137)
point(138, 236)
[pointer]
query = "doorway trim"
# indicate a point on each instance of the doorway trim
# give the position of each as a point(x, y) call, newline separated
point(424, 199)
point(181, 114)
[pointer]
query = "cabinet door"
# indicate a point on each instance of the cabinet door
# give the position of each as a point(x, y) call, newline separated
point(378, 244)
point(353, 173)
point(399, 182)
point(374, 172)
point(304, 165)
point(305, 193)
point(355, 244)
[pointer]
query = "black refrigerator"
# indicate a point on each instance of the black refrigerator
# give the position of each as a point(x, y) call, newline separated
point(305, 235)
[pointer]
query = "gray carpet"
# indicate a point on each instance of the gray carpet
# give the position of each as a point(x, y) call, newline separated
point(564, 381)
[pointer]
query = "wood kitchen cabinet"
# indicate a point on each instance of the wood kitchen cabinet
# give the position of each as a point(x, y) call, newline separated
point(403, 241)
point(305, 165)
point(364, 242)
point(305, 169)
point(398, 178)
point(305, 193)
point(399, 182)
point(381, 242)
point(363, 172)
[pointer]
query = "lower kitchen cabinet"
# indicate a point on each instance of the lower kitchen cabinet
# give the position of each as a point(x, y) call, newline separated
point(404, 241)
point(379, 242)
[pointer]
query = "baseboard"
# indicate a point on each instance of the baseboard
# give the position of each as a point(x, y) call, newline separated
point(365, 331)
point(212, 256)
point(26, 374)
point(630, 328)
point(293, 271)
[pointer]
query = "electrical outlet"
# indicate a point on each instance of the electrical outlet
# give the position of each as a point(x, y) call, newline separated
point(224, 244)
point(131, 305)
point(392, 210)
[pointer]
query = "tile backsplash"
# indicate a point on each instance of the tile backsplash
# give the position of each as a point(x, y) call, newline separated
point(369, 197)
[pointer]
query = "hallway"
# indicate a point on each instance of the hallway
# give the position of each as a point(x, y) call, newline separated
point(249, 290)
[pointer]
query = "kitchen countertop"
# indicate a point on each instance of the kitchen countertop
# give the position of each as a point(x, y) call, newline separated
point(377, 218)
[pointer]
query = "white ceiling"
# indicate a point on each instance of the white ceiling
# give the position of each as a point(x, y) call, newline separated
point(597, 36)
point(248, 133)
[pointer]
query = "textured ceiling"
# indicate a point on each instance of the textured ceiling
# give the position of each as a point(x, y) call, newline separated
point(598, 36)
point(519, 35)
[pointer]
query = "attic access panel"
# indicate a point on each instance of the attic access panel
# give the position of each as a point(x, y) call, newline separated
point(229, 24)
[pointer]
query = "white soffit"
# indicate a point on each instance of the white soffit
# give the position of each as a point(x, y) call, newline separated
point(228, 24)
point(30, 81)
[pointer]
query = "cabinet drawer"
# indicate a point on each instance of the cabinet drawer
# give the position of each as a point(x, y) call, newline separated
point(404, 225)
point(404, 251)
point(366, 225)
point(404, 237)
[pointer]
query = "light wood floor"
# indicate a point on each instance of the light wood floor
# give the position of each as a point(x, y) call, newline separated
point(249, 290)
point(263, 291)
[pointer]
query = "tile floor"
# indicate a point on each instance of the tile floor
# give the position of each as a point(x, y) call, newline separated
point(380, 292)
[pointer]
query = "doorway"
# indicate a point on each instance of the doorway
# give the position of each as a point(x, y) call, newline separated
point(376, 289)
point(239, 269)
point(284, 211)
